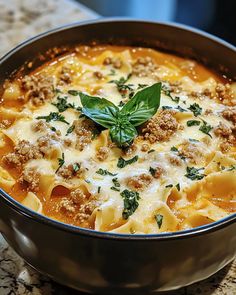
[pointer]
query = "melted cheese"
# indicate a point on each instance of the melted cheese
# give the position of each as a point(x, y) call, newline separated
point(180, 201)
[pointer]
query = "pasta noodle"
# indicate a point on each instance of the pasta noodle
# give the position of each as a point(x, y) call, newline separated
point(174, 169)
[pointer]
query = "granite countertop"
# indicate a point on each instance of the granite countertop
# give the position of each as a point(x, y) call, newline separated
point(19, 20)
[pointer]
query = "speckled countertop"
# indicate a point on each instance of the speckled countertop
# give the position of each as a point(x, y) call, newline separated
point(19, 20)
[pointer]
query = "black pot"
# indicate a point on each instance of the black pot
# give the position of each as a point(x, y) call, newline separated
point(112, 263)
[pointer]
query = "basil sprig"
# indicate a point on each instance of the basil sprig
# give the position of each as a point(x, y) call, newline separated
point(122, 122)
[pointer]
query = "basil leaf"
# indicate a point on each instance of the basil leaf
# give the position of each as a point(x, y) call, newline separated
point(123, 133)
point(100, 110)
point(143, 105)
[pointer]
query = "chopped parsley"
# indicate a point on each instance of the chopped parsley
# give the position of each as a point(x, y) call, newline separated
point(194, 173)
point(122, 162)
point(99, 190)
point(151, 151)
point(104, 172)
point(206, 128)
point(112, 72)
point(175, 150)
point(73, 92)
point(169, 185)
point(141, 86)
point(53, 129)
point(61, 162)
point(121, 104)
point(130, 202)
point(193, 140)
point(116, 185)
point(159, 219)
point(196, 109)
point(62, 104)
point(76, 167)
point(152, 171)
point(53, 116)
point(178, 108)
point(178, 186)
point(193, 123)
point(167, 92)
point(70, 129)
point(121, 86)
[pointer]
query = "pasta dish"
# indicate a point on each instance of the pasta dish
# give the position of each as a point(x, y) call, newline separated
point(121, 139)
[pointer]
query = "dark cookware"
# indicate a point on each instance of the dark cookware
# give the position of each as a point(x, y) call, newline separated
point(112, 263)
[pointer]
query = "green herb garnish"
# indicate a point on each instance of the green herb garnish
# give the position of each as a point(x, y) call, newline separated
point(152, 171)
point(76, 167)
point(122, 122)
point(151, 151)
point(169, 185)
point(194, 173)
point(174, 149)
point(122, 162)
point(53, 116)
point(193, 123)
point(73, 92)
point(206, 128)
point(130, 202)
point(121, 86)
point(196, 109)
point(99, 190)
point(178, 186)
point(112, 72)
point(167, 92)
point(116, 186)
point(61, 162)
point(70, 129)
point(159, 219)
point(104, 172)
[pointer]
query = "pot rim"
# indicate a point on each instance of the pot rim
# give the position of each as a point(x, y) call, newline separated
point(17, 206)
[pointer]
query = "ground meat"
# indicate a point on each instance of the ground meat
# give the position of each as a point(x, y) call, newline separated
point(5, 124)
point(221, 92)
point(157, 172)
point(130, 150)
point(38, 88)
point(98, 75)
point(230, 114)
point(47, 143)
point(115, 62)
point(30, 177)
point(144, 66)
point(145, 147)
point(102, 153)
point(68, 172)
point(40, 126)
point(78, 205)
point(228, 134)
point(190, 151)
point(84, 131)
point(65, 75)
point(161, 127)
point(23, 152)
point(67, 142)
point(225, 147)
point(175, 160)
point(208, 112)
point(223, 131)
point(139, 182)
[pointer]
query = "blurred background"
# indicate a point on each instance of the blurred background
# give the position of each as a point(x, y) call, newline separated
point(215, 16)
point(21, 19)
